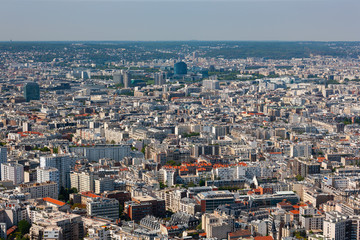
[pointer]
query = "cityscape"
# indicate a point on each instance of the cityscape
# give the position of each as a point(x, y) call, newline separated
point(116, 125)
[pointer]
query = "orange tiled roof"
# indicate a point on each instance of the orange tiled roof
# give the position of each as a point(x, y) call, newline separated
point(295, 211)
point(54, 201)
point(264, 238)
point(90, 194)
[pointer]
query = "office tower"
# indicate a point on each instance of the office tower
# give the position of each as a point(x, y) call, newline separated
point(127, 80)
point(180, 68)
point(31, 91)
point(46, 174)
point(61, 163)
point(13, 172)
point(118, 78)
point(159, 79)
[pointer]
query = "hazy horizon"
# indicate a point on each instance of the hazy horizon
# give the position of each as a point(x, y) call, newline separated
point(201, 20)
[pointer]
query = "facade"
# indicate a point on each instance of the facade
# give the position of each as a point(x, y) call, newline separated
point(209, 201)
point(301, 150)
point(62, 163)
point(217, 226)
point(337, 227)
point(304, 168)
point(103, 184)
point(13, 172)
point(96, 153)
point(103, 208)
point(82, 181)
point(3, 156)
point(211, 84)
point(47, 174)
point(31, 91)
point(268, 200)
point(127, 79)
point(180, 68)
point(142, 206)
point(159, 79)
point(40, 190)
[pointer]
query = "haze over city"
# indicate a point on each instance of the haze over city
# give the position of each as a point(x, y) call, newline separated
point(289, 20)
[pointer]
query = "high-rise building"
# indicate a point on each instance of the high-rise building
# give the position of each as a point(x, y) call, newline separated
point(118, 78)
point(61, 163)
point(159, 79)
point(180, 68)
point(31, 91)
point(13, 172)
point(82, 181)
point(127, 79)
point(46, 174)
point(3, 156)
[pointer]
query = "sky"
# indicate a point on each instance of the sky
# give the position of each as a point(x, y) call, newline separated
point(151, 20)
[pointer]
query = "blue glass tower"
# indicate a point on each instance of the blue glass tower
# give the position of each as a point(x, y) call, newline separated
point(31, 91)
point(180, 68)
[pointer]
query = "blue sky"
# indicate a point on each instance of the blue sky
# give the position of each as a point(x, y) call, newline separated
point(289, 20)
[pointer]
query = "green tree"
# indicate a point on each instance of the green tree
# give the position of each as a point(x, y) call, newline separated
point(202, 182)
point(24, 227)
point(299, 178)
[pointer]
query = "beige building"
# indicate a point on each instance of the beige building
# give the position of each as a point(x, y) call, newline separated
point(82, 181)
point(40, 190)
point(217, 226)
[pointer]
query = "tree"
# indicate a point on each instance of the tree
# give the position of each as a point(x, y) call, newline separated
point(191, 184)
point(202, 182)
point(162, 185)
point(299, 178)
point(143, 150)
point(24, 227)
point(198, 227)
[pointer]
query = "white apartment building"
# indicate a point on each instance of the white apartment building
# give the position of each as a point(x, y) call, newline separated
point(13, 172)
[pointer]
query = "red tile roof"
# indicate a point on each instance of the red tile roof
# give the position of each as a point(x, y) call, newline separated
point(295, 212)
point(54, 201)
point(264, 238)
point(90, 194)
